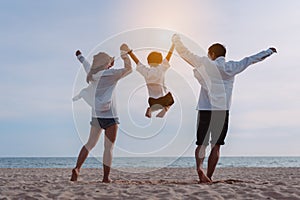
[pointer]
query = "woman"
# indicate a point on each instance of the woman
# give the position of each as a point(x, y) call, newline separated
point(100, 96)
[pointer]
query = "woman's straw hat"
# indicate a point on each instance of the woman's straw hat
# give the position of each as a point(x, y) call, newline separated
point(101, 60)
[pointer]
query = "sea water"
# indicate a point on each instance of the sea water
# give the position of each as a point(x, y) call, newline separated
point(146, 162)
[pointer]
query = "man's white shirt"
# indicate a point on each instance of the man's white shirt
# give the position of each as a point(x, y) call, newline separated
point(216, 77)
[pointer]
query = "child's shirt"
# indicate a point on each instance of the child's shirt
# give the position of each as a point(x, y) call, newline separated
point(100, 93)
point(155, 78)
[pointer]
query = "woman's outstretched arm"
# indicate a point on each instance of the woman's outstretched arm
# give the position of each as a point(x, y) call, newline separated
point(85, 63)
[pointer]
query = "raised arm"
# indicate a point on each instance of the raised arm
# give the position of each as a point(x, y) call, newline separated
point(185, 54)
point(120, 73)
point(170, 53)
point(133, 57)
point(235, 67)
point(85, 63)
point(124, 47)
point(124, 56)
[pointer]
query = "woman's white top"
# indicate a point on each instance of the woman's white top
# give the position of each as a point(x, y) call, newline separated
point(100, 93)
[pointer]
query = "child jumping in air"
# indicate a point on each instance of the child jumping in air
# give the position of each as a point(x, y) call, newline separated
point(159, 98)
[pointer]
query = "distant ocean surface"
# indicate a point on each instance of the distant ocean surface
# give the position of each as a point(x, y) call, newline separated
point(147, 162)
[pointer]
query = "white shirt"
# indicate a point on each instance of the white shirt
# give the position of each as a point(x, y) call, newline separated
point(155, 78)
point(100, 93)
point(216, 77)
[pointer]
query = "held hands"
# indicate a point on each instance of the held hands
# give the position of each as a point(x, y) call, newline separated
point(124, 51)
point(124, 47)
point(175, 38)
point(273, 49)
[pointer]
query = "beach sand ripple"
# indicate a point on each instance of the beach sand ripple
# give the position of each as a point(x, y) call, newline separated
point(166, 183)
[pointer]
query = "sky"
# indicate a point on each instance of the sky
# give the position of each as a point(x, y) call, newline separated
point(39, 75)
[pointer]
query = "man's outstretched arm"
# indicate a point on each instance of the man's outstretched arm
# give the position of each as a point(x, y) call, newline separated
point(235, 67)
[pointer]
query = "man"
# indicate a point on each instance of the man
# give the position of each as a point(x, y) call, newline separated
point(216, 77)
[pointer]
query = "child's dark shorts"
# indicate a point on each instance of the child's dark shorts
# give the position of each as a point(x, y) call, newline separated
point(104, 123)
point(164, 101)
point(214, 124)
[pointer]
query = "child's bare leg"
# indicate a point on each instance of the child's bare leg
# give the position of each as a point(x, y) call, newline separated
point(162, 113)
point(148, 112)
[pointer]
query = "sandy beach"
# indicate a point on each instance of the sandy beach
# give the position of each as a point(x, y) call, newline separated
point(166, 183)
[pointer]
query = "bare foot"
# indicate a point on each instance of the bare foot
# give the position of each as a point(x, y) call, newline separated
point(202, 177)
point(148, 112)
point(162, 113)
point(75, 174)
point(209, 178)
point(107, 180)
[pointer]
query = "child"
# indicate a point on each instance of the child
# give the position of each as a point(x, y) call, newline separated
point(100, 96)
point(159, 98)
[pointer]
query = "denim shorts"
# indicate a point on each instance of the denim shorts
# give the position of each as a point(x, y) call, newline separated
point(104, 123)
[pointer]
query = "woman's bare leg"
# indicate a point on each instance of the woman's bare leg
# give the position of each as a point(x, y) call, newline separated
point(84, 152)
point(110, 138)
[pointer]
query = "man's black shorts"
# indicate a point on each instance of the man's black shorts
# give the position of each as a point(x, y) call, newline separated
point(212, 124)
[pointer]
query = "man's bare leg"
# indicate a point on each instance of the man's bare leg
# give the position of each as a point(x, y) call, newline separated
point(200, 155)
point(213, 160)
point(110, 138)
point(162, 113)
point(148, 112)
point(84, 152)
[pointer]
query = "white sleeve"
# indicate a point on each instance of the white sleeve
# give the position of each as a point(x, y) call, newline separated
point(187, 55)
point(116, 74)
point(234, 67)
point(164, 65)
point(85, 63)
point(142, 69)
point(121, 73)
point(202, 78)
